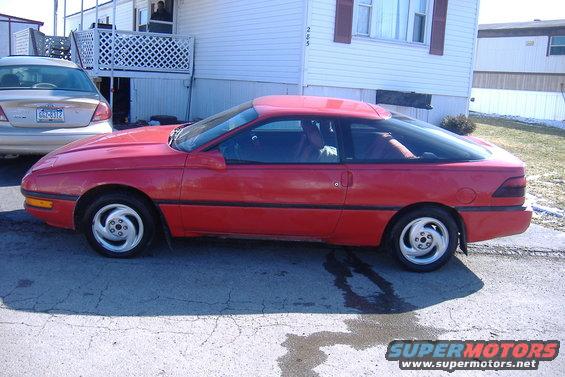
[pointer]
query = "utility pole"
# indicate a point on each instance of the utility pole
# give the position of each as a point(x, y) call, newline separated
point(55, 6)
point(64, 18)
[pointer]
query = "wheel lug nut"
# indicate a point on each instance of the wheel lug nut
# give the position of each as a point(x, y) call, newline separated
point(125, 228)
point(112, 230)
point(120, 221)
point(112, 222)
point(120, 234)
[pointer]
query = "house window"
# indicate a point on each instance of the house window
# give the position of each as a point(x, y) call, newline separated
point(142, 19)
point(364, 10)
point(557, 45)
point(161, 20)
point(402, 20)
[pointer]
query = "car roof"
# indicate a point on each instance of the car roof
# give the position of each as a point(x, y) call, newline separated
point(36, 60)
point(310, 105)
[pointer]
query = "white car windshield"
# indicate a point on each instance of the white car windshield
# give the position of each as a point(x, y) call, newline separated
point(44, 77)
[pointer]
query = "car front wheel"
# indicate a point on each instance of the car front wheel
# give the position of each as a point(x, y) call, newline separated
point(119, 225)
point(425, 239)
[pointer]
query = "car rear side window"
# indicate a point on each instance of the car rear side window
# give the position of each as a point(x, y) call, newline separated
point(402, 139)
point(44, 77)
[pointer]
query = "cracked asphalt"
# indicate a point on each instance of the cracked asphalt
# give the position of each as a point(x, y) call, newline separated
point(210, 307)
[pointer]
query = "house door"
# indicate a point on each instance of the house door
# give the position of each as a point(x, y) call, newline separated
point(122, 94)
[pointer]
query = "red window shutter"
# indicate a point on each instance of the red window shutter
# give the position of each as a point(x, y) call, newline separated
point(439, 19)
point(343, 21)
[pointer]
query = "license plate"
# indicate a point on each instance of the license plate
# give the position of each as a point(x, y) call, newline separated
point(50, 115)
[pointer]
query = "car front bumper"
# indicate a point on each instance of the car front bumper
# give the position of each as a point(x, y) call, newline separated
point(61, 213)
point(21, 140)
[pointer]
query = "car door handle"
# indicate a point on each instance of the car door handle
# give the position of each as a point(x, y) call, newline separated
point(347, 179)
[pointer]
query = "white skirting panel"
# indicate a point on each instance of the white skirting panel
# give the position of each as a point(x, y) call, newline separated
point(527, 104)
point(442, 105)
point(159, 97)
point(210, 96)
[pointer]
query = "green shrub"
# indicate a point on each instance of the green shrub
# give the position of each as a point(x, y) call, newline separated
point(459, 124)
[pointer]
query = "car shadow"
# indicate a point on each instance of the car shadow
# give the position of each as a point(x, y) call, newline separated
point(12, 170)
point(48, 270)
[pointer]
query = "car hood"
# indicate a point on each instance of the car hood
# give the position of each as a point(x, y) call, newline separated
point(145, 147)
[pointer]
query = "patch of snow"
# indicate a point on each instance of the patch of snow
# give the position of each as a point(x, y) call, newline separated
point(539, 208)
point(531, 121)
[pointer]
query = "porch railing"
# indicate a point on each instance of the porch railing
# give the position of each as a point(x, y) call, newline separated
point(133, 51)
point(34, 42)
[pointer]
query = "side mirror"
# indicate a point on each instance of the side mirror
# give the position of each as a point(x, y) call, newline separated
point(213, 160)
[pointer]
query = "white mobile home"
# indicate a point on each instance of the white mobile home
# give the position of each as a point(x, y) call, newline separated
point(520, 70)
point(10, 25)
point(412, 55)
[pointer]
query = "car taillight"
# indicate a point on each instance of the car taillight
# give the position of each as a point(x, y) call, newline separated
point(512, 188)
point(3, 117)
point(102, 112)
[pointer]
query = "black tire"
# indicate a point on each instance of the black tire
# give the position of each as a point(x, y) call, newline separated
point(123, 202)
point(408, 222)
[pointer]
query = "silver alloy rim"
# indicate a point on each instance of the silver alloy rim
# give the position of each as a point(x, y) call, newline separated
point(424, 240)
point(117, 228)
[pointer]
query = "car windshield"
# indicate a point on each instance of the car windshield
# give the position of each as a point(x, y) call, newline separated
point(44, 77)
point(200, 133)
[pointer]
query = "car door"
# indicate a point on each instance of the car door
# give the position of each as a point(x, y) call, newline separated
point(283, 177)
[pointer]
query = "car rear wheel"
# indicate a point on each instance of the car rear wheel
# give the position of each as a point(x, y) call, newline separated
point(424, 239)
point(119, 225)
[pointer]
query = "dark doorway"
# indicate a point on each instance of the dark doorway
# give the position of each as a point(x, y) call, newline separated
point(121, 108)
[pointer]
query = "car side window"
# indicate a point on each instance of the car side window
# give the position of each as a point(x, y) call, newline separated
point(400, 139)
point(286, 141)
point(371, 143)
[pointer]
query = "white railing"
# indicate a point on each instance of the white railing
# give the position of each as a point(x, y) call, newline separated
point(133, 51)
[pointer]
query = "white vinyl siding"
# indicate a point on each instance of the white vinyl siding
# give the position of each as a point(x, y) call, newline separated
point(377, 64)
point(253, 40)
point(124, 16)
point(517, 54)
point(173, 98)
point(522, 103)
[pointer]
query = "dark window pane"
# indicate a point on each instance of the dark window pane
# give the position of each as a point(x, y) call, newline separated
point(558, 41)
point(419, 28)
point(303, 141)
point(557, 50)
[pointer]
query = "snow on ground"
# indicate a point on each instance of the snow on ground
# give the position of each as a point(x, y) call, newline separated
point(531, 121)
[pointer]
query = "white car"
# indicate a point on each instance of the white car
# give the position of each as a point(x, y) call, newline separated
point(46, 103)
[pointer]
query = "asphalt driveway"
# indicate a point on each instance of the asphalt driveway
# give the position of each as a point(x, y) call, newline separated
point(208, 307)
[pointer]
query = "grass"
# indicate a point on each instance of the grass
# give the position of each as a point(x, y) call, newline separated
point(542, 149)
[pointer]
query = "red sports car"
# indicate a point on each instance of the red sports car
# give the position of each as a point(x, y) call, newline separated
point(286, 167)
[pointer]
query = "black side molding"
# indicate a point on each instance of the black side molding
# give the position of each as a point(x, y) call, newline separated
point(45, 195)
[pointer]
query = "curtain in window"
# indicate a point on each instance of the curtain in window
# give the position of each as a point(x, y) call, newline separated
point(392, 18)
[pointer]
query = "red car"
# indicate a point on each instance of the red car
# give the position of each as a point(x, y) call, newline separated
point(286, 167)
